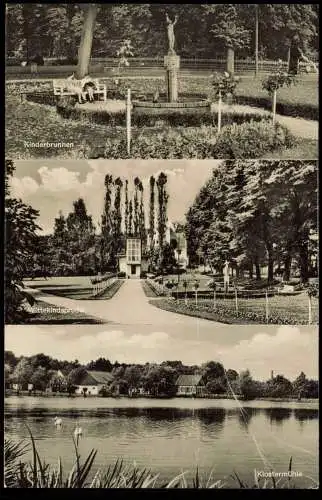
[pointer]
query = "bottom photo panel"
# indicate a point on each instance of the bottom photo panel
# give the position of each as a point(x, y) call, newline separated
point(103, 406)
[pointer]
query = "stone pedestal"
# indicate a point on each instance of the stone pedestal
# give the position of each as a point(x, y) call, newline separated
point(172, 65)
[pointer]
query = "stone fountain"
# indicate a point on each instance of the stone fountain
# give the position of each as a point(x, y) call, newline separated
point(172, 102)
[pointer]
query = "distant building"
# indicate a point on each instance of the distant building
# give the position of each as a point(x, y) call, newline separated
point(93, 382)
point(132, 263)
point(179, 237)
point(190, 385)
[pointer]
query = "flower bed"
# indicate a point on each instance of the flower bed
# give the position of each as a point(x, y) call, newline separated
point(249, 140)
point(300, 101)
point(157, 289)
point(227, 315)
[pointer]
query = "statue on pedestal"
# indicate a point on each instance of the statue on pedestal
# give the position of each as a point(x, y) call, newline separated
point(171, 37)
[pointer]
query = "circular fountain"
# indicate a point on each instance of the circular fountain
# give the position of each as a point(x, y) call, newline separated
point(172, 102)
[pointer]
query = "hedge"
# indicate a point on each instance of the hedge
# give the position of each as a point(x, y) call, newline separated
point(178, 118)
point(248, 140)
point(306, 111)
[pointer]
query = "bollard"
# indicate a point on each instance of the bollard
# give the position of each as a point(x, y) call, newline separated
point(310, 309)
point(266, 307)
point(236, 300)
point(219, 112)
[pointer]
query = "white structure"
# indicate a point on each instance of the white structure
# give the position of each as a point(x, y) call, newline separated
point(93, 381)
point(131, 263)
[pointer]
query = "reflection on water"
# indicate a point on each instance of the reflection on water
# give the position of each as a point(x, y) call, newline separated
point(169, 436)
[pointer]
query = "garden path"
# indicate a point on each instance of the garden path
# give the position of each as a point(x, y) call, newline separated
point(299, 127)
point(129, 306)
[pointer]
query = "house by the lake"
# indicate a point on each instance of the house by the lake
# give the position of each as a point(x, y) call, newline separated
point(190, 385)
point(93, 382)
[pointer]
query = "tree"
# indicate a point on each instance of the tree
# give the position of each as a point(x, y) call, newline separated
point(81, 239)
point(163, 198)
point(85, 48)
point(39, 378)
point(21, 240)
point(136, 221)
point(279, 387)
point(107, 256)
point(126, 210)
point(152, 212)
point(22, 373)
point(101, 364)
point(213, 370)
point(248, 387)
point(216, 386)
point(117, 217)
point(228, 30)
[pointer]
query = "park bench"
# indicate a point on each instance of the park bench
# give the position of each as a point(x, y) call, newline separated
point(71, 87)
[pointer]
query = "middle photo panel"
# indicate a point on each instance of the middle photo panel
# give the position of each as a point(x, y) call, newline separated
point(163, 242)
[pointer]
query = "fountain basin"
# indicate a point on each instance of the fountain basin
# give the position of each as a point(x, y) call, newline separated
point(184, 104)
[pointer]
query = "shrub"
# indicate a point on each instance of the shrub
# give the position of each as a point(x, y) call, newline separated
point(249, 140)
point(121, 274)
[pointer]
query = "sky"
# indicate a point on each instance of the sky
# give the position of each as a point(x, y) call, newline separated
point(287, 350)
point(52, 185)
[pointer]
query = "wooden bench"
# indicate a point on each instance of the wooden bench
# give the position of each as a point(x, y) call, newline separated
point(70, 87)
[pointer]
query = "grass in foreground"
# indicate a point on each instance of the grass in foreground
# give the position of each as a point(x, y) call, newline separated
point(283, 310)
point(54, 315)
point(84, 293)
point(38, 474)
point(31, 123)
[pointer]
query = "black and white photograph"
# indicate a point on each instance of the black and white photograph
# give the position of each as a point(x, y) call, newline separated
point(161, 246)
point(162, 81)
point(154, 407)
point(147, 242)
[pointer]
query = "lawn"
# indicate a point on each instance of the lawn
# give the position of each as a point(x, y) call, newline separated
point(75, 287)
point(44, 313)
point(33, 122)
point(306, 91)
point(291, 310)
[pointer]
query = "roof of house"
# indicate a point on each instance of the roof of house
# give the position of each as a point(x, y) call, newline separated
point(94, 377)
point(190, 380)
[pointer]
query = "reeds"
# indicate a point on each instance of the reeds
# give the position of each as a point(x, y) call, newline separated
point(38, 474)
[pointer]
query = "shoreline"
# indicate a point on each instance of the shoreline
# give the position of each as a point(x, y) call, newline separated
point(218, 397)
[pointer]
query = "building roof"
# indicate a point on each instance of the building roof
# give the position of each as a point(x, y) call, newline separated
point(190, 380)
point(94, 377)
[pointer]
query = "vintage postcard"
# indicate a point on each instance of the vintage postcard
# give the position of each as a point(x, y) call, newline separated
point(161, 294)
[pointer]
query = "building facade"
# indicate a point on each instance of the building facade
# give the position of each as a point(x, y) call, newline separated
point(93, 382)
point(190, 385)
point(131, 262)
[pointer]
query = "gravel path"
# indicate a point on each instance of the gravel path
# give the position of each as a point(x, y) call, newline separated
point(129, 306)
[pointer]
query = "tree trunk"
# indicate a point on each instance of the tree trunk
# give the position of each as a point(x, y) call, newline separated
point(258, 271)
point(85, 48)
point(230, 60)
point(304, 262)
point(287, 266)
point(270, 271)
point(293, 65)
point(250, 270)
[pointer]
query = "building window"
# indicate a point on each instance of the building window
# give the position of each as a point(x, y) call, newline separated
point(133, 250)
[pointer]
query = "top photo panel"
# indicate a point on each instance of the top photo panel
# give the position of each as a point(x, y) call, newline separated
point(163, 81)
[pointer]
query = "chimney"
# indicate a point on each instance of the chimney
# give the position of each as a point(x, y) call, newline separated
point(272, 374)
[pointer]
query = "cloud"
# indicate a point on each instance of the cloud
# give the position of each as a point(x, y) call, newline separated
point(23, 187)
point(58, 179)
point(286, 350)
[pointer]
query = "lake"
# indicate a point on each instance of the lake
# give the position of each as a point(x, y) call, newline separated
point(175, 435)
